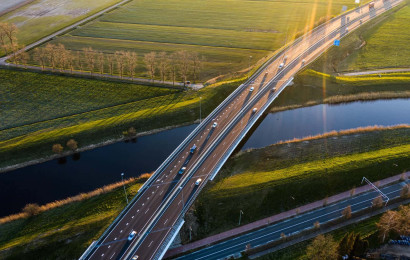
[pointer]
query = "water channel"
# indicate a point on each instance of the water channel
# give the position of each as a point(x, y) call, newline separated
point(49, 181)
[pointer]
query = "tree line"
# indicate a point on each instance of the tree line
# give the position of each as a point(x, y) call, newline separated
point(9, 43)
point(178, 65)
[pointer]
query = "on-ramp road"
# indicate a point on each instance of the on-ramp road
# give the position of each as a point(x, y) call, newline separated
point(156, 212)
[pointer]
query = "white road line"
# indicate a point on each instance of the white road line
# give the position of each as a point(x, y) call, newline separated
point(127, 224)
point(112, 255)
point(165, 222)
point(150, 244)
point(121, 231)
point(146, 211)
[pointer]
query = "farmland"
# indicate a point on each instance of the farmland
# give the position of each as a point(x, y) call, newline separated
point(230, 35)
point(43, 17)
point(367, 49)
point(44, 109)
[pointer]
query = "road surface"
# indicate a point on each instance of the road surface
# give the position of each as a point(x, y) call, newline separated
point(291, 226)
point(156, 212)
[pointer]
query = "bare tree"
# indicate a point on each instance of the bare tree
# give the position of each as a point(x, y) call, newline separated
point(347, 212)
point(110, 61)
point(173, 67)
point(50, 54)
point(323, 247)
point(150, 62)
point(184, 59)
point(132, 59)
point(3, 39)
point(70, 61)
point(40, 56)
point(23, 57)
point(101, 61)
point(60, 56)
point(89, 55)
point(10, 30)
point(196, 63)
point(388, 222)
point(163, 64)
point(119, 58)
point(79, 61)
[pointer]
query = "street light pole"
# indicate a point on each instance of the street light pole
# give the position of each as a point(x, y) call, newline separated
point(249, 73)
point(200, 109)
point(123, 185)
point(240, 217)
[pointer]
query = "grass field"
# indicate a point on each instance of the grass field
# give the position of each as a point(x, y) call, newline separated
point(63, 232)
point(225, 32)
point(281, 177)
point(43, 17)
point(368, 48)
point(44, 109)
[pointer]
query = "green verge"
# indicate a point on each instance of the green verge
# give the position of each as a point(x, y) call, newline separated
point(281, 177)
point(41, 110)
point(63, 232)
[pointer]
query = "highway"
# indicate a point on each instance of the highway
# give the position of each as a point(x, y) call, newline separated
point(291, 226)
point(156, 212)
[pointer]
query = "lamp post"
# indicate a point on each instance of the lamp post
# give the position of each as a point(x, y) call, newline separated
point(250, 57)
point(200, 109)
point(123, 185)
point(240, 217)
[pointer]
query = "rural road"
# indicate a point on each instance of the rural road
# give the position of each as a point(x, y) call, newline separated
point(156, 213)
point(291, 226)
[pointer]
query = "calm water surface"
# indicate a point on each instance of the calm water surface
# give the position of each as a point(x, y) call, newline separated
point(51, 181)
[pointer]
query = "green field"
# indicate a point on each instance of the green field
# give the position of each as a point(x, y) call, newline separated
point(43, 17)
point(40, 110)
point(381, 44)
point(225, 32)
point(64, 232)
point(281, 177)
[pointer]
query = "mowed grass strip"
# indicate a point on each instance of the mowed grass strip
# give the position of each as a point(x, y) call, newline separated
point(281, 177)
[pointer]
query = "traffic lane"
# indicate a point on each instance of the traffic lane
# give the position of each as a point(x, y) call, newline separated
point(289, 226)
point(168, 219)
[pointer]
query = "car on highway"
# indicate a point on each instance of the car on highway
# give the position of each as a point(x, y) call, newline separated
point(254, 110)
point(135, 257)
point(193, 148)
point(303, 62)
point(281, 65)
point(285, 59)
point(132, 235)
point(214, 125)
point(182, 170)
point(273, 89)
point(251, 89)
point(198, 182)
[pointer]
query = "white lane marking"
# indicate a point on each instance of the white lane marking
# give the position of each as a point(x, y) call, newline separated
point(133, 216)
point(127, 224)
point(161, 192)
point(192, 184)
point(165, 222)
point(109, 246)
point(203, 169)
point(115, 238)
point(102, 255)
point(143, 204)
point(112, 255)
point(121, 231)
point(153, 192)
point(179, 202)
point(146, 211)
point(148, 198)
point(150, 243)
point(137, 211)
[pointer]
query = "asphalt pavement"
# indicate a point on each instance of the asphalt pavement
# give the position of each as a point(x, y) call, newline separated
point(291, 226)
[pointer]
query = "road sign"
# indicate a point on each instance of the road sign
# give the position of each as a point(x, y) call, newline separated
point(336, 43)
